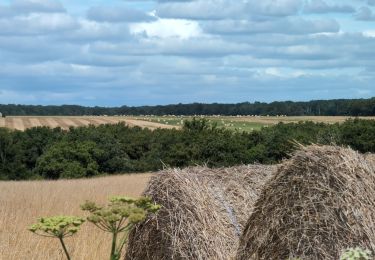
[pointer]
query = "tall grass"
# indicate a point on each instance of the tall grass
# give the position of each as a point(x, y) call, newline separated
point(22, 202)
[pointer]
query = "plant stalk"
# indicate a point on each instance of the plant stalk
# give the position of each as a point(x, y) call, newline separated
point(64, 247)
point(114, 255)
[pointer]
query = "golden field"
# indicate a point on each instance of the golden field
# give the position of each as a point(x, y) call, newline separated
point(21, 203)
point(25, 122)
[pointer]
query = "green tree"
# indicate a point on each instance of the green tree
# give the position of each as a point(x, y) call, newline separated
point(68, 160)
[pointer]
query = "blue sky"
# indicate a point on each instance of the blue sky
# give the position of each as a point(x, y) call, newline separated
point(132, 52)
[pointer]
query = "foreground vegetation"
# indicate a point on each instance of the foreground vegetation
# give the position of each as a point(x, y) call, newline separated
point(22, 202)
point(90, 151)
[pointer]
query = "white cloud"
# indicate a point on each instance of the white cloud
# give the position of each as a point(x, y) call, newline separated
point(168, 28)
point(320, 6)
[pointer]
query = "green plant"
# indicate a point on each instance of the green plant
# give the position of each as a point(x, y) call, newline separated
point(58, 227)
point(356, 254)
point(118, 217)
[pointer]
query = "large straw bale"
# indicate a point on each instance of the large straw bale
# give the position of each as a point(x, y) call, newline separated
point(319, 203)
point(203, 212)
point(370, 157)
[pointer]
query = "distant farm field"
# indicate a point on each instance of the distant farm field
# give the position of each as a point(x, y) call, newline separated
point(21, 203)
point(245, 123)
point(24, 122)
point(241, 123)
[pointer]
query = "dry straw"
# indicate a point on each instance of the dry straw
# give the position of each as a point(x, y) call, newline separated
point(203, 212)
point(370, 157)
point(319, 203)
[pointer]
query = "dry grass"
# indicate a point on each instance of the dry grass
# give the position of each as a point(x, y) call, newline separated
point(320, 202)
point(22, 123)
point(21, 203)
point(203, 213)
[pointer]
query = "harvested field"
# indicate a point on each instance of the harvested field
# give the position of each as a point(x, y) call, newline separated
point(21, 203)
point(203, 212)
point(319, 203)
point(22, 123)
point(247, 123)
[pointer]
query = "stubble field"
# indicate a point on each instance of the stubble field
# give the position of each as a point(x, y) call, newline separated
point(65, 122)
point(21, 203)
point(242, 123)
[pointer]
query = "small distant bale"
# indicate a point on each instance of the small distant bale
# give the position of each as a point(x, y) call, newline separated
point(319, 203)
point(203, 212)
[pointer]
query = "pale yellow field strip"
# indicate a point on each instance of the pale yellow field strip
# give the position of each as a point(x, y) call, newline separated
point(100, 121)
point(2, 122)
point(35, 121)
point(83, 122)
point(78, 122)
point(51, 122)
point(68, 121)
point(27, 123)
point(18, 124)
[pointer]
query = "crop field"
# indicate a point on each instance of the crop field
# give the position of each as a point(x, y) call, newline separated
point(245, 123)
point(241, 123)
point(22, 123)
point(21, 203)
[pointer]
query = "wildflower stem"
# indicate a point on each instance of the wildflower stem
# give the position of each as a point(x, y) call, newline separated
point(114, 255)
point(64, 247)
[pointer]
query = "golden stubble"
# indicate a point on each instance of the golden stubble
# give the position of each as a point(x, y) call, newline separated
point(21, 203)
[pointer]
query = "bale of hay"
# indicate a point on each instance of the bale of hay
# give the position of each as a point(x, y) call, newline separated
point(319, 203)
point(370, 157)
point(203, 212)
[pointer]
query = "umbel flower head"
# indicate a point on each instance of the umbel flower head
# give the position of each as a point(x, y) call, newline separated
point(120, 213)
point(57, 226)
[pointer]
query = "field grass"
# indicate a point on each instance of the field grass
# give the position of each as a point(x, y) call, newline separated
point(21, 203)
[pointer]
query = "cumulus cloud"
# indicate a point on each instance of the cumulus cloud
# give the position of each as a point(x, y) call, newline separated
point(117, 14)
point(39, 6)
point(295, 25)
point(365, 14)
point(221, 9)
point(320, 6)
point(161, 52)
point(36, 24)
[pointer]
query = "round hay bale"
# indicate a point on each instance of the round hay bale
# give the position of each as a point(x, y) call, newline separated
point(370, 157)
point(319, 203)
point(203, 212)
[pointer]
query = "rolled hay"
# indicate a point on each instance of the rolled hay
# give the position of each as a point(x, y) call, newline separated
point(319, 203)
point(371, 159)
point(203, 212)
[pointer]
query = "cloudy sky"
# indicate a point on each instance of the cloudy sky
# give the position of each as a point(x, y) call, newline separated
point(132, 52)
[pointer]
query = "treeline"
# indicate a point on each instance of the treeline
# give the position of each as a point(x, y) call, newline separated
point(44, 153)
point(338, 107)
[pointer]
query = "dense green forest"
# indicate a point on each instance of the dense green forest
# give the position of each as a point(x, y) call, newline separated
point(342, 107)
point(44, 153)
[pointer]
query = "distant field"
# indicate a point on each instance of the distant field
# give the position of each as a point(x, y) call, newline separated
point(22, 123)
point(21, 203)
point(242, 123)
point(245, 123)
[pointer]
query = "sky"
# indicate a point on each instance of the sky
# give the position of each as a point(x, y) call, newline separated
point(133, 52)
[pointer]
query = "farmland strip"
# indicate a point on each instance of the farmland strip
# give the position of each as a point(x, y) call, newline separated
point(50, 122)
point(69, 122)
point(80, 121)
point(2, 122)
point(26, 122)
point(17, 124)
point(35, 122)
